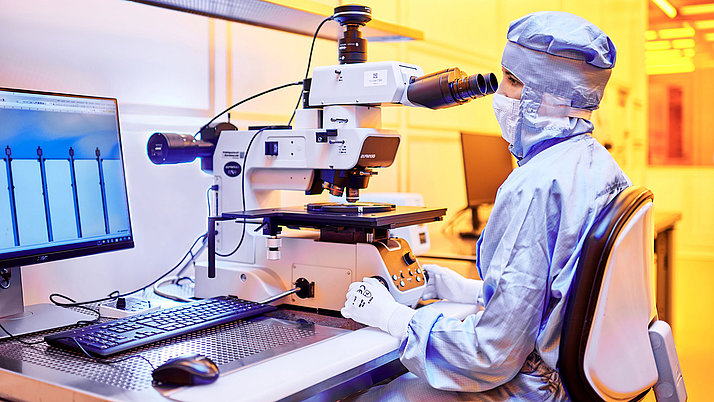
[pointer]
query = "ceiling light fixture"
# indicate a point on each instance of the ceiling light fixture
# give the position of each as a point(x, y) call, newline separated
point(666, 7)
point(704, 24)
point(673, 33)
point(697, 9)
point(663, 55)
point(683, 43)
point(677, 68)
point(657, 45)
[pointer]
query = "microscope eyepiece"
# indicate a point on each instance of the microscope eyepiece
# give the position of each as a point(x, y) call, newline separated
point(449, 88)
point(466, 88)
point(491, 83)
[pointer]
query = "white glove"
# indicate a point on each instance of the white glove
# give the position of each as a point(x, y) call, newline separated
point(369, 302)
point(443, 283)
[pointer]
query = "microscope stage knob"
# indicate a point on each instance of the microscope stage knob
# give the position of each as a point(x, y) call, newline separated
point(409, 258)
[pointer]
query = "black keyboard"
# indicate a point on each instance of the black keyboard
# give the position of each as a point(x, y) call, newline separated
point(116, 336)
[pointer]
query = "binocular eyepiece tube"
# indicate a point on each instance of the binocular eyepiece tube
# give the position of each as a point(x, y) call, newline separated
point(450, 87)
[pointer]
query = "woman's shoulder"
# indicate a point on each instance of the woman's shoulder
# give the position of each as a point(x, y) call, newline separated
point(578, 162)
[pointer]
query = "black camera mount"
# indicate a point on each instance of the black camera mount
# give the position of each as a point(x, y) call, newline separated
point(352, 47)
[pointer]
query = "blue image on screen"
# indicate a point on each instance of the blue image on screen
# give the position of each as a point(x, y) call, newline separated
point(57, 132)
point(116, 202)
point(6, 231)
point(61, 176)
point(91, 211)
point(59, 192)
point(29, 201)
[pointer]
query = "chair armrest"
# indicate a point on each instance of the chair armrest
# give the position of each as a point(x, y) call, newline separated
point(670, 384)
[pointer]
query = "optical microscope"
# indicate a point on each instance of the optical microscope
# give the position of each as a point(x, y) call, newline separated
point(336, 144)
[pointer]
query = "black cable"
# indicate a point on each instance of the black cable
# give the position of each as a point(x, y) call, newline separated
point(97, 360)
point(208, 200)
point(246, 100)
point(242, 190)
point(33, 344)
point(81, 322)
point(112, 296)
point(85, 322)
point(190, 260)
point(309, 60)
point(15, 338)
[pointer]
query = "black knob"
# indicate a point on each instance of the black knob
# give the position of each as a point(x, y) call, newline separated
point(409, 258)
point(307, 288)
point(381, 280)
point(121, 303)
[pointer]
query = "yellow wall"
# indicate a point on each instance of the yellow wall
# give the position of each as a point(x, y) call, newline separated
point(471, 35)
point(689, 190)
point(472, 38)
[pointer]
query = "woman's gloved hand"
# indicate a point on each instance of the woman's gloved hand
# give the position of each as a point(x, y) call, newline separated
point(369, 302)
point(443, 283)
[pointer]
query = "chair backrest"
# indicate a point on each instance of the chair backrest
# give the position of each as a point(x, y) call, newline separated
point(605, 351)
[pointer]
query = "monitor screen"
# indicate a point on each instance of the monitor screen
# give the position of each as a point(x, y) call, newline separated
point(487, 163)
point(62, 187)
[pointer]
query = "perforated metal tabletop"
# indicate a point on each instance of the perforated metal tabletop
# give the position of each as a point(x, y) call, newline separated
point(232, 346)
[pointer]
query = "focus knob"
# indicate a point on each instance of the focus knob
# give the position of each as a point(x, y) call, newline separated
point(409, 258)
point(381, 280)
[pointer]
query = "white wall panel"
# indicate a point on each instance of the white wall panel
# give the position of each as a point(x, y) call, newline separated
point(263, 58)
point(106, 48)
point(156, 63)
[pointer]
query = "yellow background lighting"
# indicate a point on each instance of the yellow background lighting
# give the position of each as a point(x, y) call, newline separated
point(684, 32)
point(663, 54)
point(703, 24)
point(657, 45)
point(666, 8)
point(683, 43)
point(671, 69)
point(697, 9)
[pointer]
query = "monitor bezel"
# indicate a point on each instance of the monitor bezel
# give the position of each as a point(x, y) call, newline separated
point(89, 247)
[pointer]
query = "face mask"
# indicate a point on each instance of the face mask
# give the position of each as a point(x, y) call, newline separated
point(506, 110)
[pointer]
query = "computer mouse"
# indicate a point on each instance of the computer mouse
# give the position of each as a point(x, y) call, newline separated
point(187, 370)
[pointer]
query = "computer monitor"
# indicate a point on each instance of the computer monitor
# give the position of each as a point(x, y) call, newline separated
point(487, 163)
point(62, 193)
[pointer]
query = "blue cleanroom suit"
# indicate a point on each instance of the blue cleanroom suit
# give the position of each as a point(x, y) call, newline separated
point(529, 249)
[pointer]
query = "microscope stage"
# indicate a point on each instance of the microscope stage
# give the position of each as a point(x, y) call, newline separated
point(350, 208)
point(301, 216)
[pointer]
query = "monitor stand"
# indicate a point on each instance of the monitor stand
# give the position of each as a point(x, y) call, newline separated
point(476, 224)
point(19, 319)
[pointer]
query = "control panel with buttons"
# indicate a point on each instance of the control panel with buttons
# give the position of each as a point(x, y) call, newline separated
point(404, 269)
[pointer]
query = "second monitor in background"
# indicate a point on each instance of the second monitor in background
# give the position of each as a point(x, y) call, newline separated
point(487, 163)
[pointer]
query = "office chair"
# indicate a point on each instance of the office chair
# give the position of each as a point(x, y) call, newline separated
point(612, 346)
